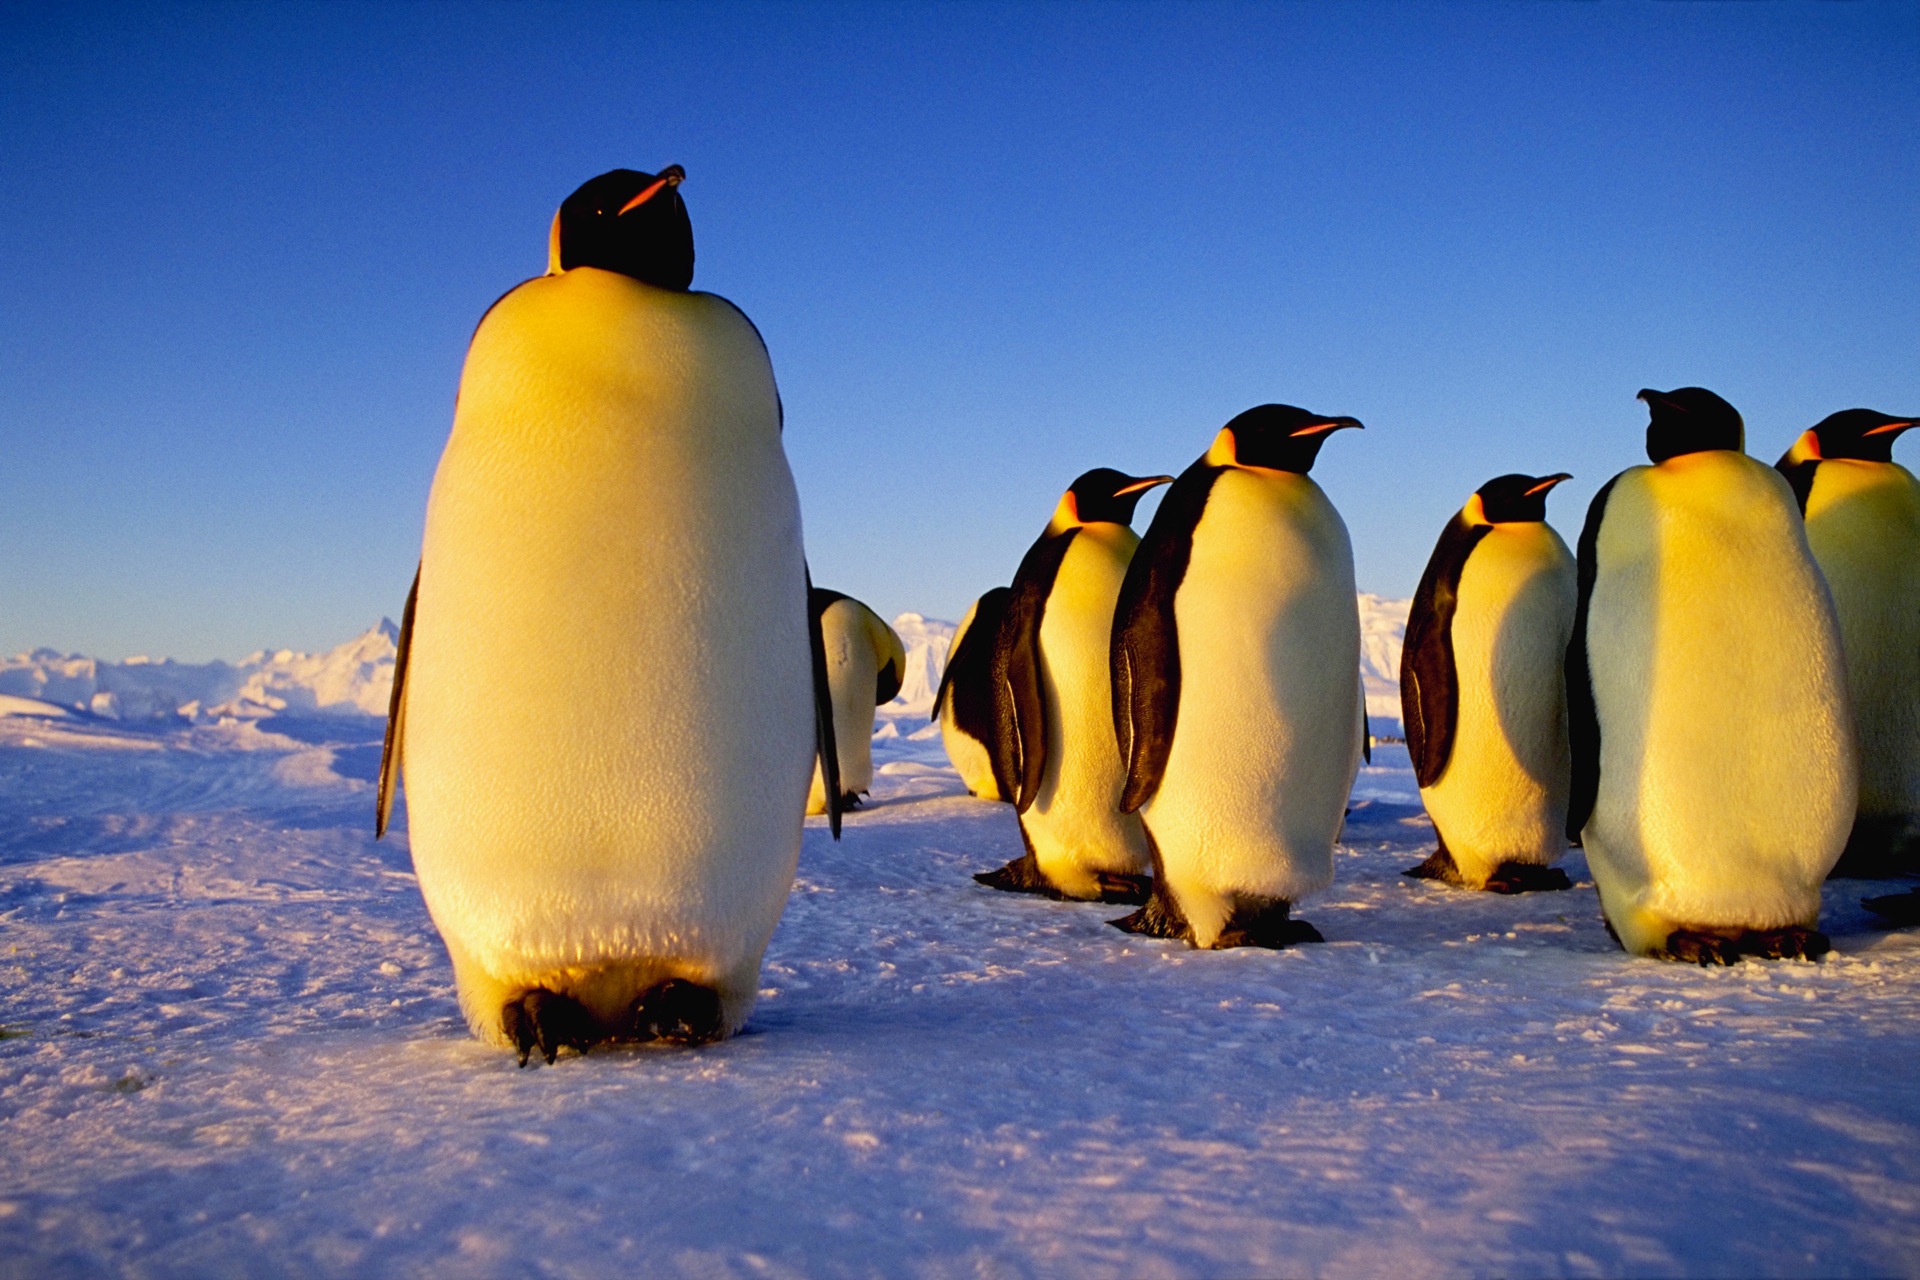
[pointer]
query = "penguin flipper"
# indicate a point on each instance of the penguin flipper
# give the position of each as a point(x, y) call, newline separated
point(1583, 717)
point(1020, 748)
point(390, 745)
point(824, 744)
point(1429, 684)
point(1146, 642)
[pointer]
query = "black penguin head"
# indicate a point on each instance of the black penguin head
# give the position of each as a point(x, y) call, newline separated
point(1861, 434)
point(1690, 420)
point(1279, 437)
point(633, 223)
point(1104, 494)
point(1514, 499)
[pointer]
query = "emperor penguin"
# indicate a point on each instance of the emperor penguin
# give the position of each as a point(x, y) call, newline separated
point(1057, 759)
point(964, 704)
point(1863, 522)
point(1236, 686)
point(1714, 774)
point(865, 663)
point(608, 695)
point(1483, 691)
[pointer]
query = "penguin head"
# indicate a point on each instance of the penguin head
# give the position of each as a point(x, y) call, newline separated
point(1690, 420)
point(1103, 494)
point(1278, 437)
point(1863, 435)
point(633, 223)
point(1512, 499)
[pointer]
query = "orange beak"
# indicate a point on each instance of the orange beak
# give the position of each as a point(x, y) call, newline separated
point(1891, 426)
point(1141, 486)
point(1546, 484)
point(671, 176)
point(1321, 428)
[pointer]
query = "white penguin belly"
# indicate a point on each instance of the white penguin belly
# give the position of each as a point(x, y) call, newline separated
point(1267, 738)
point(852, 667)
point(608, 725)
point(1074, 824)
point(1727, 772)
point(1863, 523)
point(1503, 795)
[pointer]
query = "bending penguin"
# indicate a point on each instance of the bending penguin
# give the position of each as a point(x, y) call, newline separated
point(1056, 758)
point(1236, 686)
point(865, 662)
point(1713, 747)
point(964, 704)
point(1483, 691)
point(605, 841)
point(1863, 523)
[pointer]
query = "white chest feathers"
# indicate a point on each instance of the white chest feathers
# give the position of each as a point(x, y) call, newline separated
point(1503, 795)
point(1267, 737)
point(608, 711)
point(1727, 769)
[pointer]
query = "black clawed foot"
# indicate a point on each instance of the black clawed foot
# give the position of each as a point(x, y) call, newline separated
point(678, 1012)
point(1120, 888)
point(1694, 946)
point(1265, 924)
point(849, 802)
point(1896, 909)
point(1159, 918)
point(547, 1021)
point(1022, 875)
point(1526, 877)
point(1438, 866)
point(1792, 943)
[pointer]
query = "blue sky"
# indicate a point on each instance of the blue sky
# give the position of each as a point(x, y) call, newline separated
point(242, 249)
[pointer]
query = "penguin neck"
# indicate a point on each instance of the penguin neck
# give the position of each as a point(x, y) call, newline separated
point(1066, 515)
point(1806, 448)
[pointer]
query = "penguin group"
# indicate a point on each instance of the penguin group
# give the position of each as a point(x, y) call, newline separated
point(1717, 695)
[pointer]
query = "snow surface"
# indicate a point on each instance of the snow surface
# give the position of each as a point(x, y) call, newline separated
point(231, 1047)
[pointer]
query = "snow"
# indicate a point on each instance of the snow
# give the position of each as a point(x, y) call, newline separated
point(230, 1046)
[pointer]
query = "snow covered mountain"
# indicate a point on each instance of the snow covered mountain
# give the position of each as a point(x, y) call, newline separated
point(356, 677)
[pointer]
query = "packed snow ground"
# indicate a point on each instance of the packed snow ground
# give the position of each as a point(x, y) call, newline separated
point(231, 1047)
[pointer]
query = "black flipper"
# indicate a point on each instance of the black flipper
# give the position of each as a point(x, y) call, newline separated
point(886, 684)
point(823, 740)
point(1146, 643)
point(396, 714)
point(1429, 684)
point(1583, 717)
point(1366, 729)
point(1020, 755)
point(1800, 476)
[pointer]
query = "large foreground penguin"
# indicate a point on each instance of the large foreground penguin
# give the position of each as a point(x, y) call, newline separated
point(1713, 747)
point(1236, 686)
point(865, 663)
point(1483, 691)
point(964, 704)
point(1056, 757)
point(607, 701)
point(1863, 523)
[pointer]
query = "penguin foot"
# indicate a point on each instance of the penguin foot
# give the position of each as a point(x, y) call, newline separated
point(1265, 923)
point(1895, 910)
point(1159, 918)
point(1527, 877)
point(1122, 889)
point(850, 801)
point(1438, 866)
point(1704, 947)
point(547, 1021)
point(678, 1012)
point(1022, 875)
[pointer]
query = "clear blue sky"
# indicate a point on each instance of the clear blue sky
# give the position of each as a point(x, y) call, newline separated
point(244, 247)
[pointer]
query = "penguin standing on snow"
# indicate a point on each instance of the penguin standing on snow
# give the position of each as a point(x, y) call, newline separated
point(1236, 686)
point(865, 661)
point(1714, 775)
point(1483, 691)
point(605, 837)
point(1057, 759)
point(1863, 523)
point(964, 704)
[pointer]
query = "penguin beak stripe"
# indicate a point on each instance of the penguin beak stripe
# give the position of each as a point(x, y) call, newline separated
point(1141, 486)
point(652, 190)
point(1891, 426)
point(1545, 485)
point(1320, 428)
